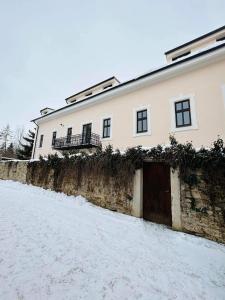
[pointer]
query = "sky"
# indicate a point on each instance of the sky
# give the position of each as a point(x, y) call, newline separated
point(50, 49)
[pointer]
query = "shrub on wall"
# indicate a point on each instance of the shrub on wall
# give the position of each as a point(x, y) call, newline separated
point(121, 166)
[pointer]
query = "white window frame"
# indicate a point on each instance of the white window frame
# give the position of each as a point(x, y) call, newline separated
point(101, 127)
point(39, 140)
point(135, 110)
point(182, 97)
point(52, 136)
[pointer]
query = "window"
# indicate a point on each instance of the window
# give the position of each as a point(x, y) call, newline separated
point(86, 134)
point(107, 86)
point(142, 121)
point(69, 134)
point(106, 128)
point(88, 94)
point(221, 39)
point(53, 138)
point(41, 140)
point(183, 113)
point(181, 55)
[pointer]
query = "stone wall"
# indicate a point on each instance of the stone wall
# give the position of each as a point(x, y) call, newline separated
point(193, 206)
point(198, 215)
point(13, 170)
point(96, 188)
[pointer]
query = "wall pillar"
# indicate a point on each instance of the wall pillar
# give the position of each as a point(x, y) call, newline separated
point(175, 199)
point(137, 203)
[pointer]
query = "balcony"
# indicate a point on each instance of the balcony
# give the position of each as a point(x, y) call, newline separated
point(78, 141)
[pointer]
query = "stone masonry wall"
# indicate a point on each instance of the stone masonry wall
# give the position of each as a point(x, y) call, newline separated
point(96, 188)
point(99, 190)
point(13, 170)
point(198, 216)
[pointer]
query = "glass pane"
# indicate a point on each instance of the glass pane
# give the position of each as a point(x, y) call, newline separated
point(187, 120)
point(185, 104)
point(109, 122)
point(139, 114)
point(105, 122)
point(139, 128)
point(108, 132)
point(179, 119)
point(145, 125)
point(178, 106)
point(144, 114)
point(105, 132)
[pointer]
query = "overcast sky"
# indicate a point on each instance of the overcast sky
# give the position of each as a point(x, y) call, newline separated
point(50, 49)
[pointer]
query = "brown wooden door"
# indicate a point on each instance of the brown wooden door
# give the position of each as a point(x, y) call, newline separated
point(157, 193)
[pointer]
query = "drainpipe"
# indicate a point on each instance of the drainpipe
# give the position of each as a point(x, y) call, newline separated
point(35, 142)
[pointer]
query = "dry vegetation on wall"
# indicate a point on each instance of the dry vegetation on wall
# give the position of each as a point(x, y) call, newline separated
point(107, 164)
point(101, 164)
point(105, 178)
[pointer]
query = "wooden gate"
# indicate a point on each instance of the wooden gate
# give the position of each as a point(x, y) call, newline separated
point(157, 193)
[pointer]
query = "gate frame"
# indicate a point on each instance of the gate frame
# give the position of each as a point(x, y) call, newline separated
point(137, 203)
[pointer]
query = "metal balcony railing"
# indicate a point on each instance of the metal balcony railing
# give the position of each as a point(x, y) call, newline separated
point(77, 141)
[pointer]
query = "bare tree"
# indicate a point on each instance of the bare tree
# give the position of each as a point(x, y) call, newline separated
point(5, 136)
point(18, 136)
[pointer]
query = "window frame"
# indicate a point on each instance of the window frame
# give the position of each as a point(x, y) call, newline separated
point(135, 123)
point(41, 140)
point(182, 111)
point(194, 123)
point(107, 86)
point(141, 119)
point(68, 136)
point(88, 94)
point(107, 127)
point(54, 134)
point(103, 117)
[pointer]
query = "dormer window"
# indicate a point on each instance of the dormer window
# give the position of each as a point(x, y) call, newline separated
point(94, 90)
point(181, 55)
point(107, 86)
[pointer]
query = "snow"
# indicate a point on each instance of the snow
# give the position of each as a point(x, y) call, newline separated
point(53, 246)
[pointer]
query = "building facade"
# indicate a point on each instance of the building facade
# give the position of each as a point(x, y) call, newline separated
point(185, 98)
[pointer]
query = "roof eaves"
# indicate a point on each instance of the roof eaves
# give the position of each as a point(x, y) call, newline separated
point(195, 40)
point(93, 86)
point(166, 67)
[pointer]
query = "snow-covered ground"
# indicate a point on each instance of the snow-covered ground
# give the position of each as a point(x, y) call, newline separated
point(57, 247)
